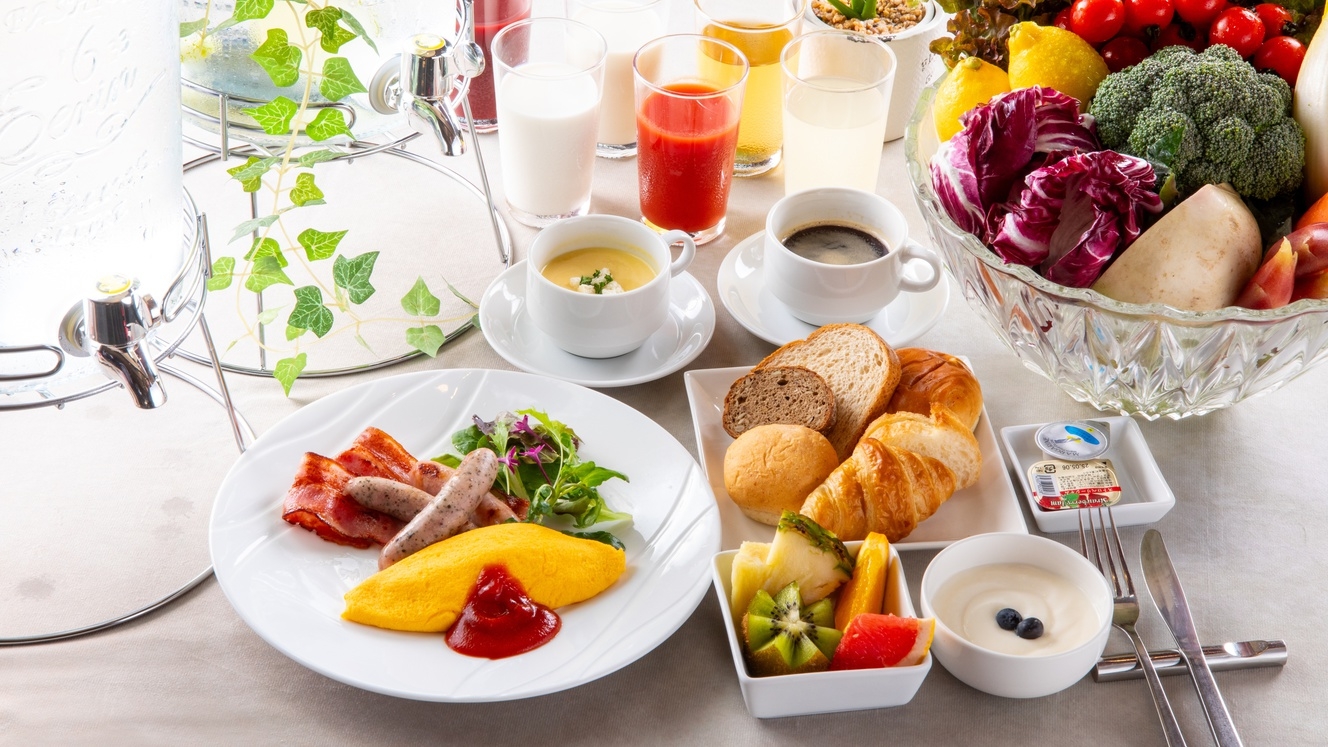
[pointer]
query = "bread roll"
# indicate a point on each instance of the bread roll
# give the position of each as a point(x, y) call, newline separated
point(928, 377)
point(772, 468)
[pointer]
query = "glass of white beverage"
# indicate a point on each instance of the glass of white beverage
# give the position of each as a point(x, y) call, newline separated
point(549, 74)
point(626, 26)
point(836, 98)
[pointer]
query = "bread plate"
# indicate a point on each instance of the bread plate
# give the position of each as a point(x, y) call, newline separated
point(991, 505)
point(288, 585)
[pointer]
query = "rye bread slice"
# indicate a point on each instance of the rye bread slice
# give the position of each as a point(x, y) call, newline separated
point(789, 395)
point(861, 369)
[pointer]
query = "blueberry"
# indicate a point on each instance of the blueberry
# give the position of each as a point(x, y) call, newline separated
point(1029, 628)
point(1008, 618)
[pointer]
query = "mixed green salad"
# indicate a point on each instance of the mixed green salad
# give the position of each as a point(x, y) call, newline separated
point(540, 464)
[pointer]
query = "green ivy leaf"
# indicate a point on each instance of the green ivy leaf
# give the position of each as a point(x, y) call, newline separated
point(308, 160)
point(475, 321)
point(267, 247)
point(193, 27)
point(339, 80)
point(266, 271)
point(309, 312)
point(294, 332)
point(250, 173)
point(250, 226)
point(353, 275)
point(248, 10)
point(332, 34)
point(319, 244)
point(363, 343)
point(461, 296)
point(305, 191)
point(328, 123)
point(418, 301)
point(275, 116)
point(426, 339)
point(223, 272)
point(278, 58)
point(288, 370)
point(269, 316)
point(358, 28)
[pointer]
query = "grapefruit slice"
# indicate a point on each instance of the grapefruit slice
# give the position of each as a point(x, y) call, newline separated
point(877, 641)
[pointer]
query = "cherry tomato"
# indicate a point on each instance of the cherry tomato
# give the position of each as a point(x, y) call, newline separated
point(1141, 14)
point(1282, 55)
point(1277, 21)
point(1096, 21)
point(1122, 52)
point(1238, 28)
point(1180, 34)
point(1063, 20)
point(1200, 13)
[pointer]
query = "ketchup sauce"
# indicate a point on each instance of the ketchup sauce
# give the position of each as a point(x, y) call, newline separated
point(500, 620)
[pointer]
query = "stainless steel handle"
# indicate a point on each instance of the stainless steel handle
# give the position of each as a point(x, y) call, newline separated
point(1227, 657)
point(1170, 727)
point(1215, 708)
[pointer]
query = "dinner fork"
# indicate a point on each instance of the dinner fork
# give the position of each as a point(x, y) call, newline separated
point(1125, 612)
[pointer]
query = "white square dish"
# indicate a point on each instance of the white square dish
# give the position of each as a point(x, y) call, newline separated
point(991, 505)
point(1145, 495)
point(824, 692)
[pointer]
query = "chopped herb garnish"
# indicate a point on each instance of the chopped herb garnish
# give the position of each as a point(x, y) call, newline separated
point(598, 280)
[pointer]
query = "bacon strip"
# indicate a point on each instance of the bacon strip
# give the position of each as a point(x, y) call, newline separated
point(376, 454)
point(317, 501)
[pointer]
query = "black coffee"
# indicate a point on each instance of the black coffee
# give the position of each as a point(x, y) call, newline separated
point(835, 244)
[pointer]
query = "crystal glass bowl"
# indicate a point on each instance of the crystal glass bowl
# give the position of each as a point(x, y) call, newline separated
point(1147, 360)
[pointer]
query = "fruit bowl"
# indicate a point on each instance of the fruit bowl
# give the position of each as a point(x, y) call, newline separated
point(823, 692)
point(1148, 360)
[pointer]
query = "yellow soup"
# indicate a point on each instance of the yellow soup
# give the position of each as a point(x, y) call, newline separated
point(584, 270)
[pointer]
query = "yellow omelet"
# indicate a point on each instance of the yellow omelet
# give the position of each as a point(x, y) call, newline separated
point(426, 591)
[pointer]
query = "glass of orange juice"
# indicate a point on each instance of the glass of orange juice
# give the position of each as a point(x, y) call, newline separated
point(760, 29)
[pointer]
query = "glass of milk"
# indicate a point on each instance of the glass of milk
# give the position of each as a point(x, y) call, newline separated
point(836, 99)
point(626, 26)
point(549, 76)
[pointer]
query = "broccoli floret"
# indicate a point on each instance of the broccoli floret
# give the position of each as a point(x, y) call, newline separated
point(1210, 116)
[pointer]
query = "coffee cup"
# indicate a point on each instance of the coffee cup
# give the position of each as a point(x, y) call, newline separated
point(819, 292)
point(595, 325)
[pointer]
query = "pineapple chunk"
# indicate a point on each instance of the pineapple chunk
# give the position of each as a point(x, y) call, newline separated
point(806, 553)
point(749, 576)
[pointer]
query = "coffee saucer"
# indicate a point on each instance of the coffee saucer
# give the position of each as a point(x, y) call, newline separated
point(742, 290)
point(507, 325)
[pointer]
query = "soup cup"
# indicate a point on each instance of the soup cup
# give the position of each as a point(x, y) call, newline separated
point(820, 293)
point(603, 326)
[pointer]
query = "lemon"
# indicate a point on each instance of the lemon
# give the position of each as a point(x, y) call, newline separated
point(1055, 58)
point(971, 83)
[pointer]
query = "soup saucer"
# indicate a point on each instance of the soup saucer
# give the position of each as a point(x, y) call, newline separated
point(506, 323)
point(742, 290)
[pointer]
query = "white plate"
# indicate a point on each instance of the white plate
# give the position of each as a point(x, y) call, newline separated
point(287, 584)
point(1145, 495)
point(742, 290)
point(988, 506)
point(507, 326)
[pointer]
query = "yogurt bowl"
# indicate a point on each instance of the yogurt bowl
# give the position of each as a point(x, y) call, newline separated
point(1046, 578)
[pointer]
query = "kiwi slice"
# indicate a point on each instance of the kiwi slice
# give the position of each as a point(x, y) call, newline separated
point(783, 637)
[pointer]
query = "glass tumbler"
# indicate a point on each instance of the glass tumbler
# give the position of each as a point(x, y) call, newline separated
point(626, 25)
point(760, 29)
point(689, 92)
point(549, 73)
point(836, 99)
point(491, 16)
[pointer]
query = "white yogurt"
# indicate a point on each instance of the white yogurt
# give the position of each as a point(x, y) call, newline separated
point(548, 137)
point(626, 32)
point(968, 602)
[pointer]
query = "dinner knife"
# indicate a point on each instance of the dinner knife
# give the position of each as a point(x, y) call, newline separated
point(1170, 600)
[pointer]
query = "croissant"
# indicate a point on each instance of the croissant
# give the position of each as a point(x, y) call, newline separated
point(879, 488)
point(899, 474)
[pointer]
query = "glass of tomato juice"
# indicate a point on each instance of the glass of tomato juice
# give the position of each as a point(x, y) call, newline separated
point(689, 91)
point(491, 16)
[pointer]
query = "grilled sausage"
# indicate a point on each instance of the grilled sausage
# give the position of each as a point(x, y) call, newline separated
point(449, 511)
point(396, 499)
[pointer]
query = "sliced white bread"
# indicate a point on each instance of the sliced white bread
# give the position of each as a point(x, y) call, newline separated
point(942, 437)
point(860, 368)
point(787, 395)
